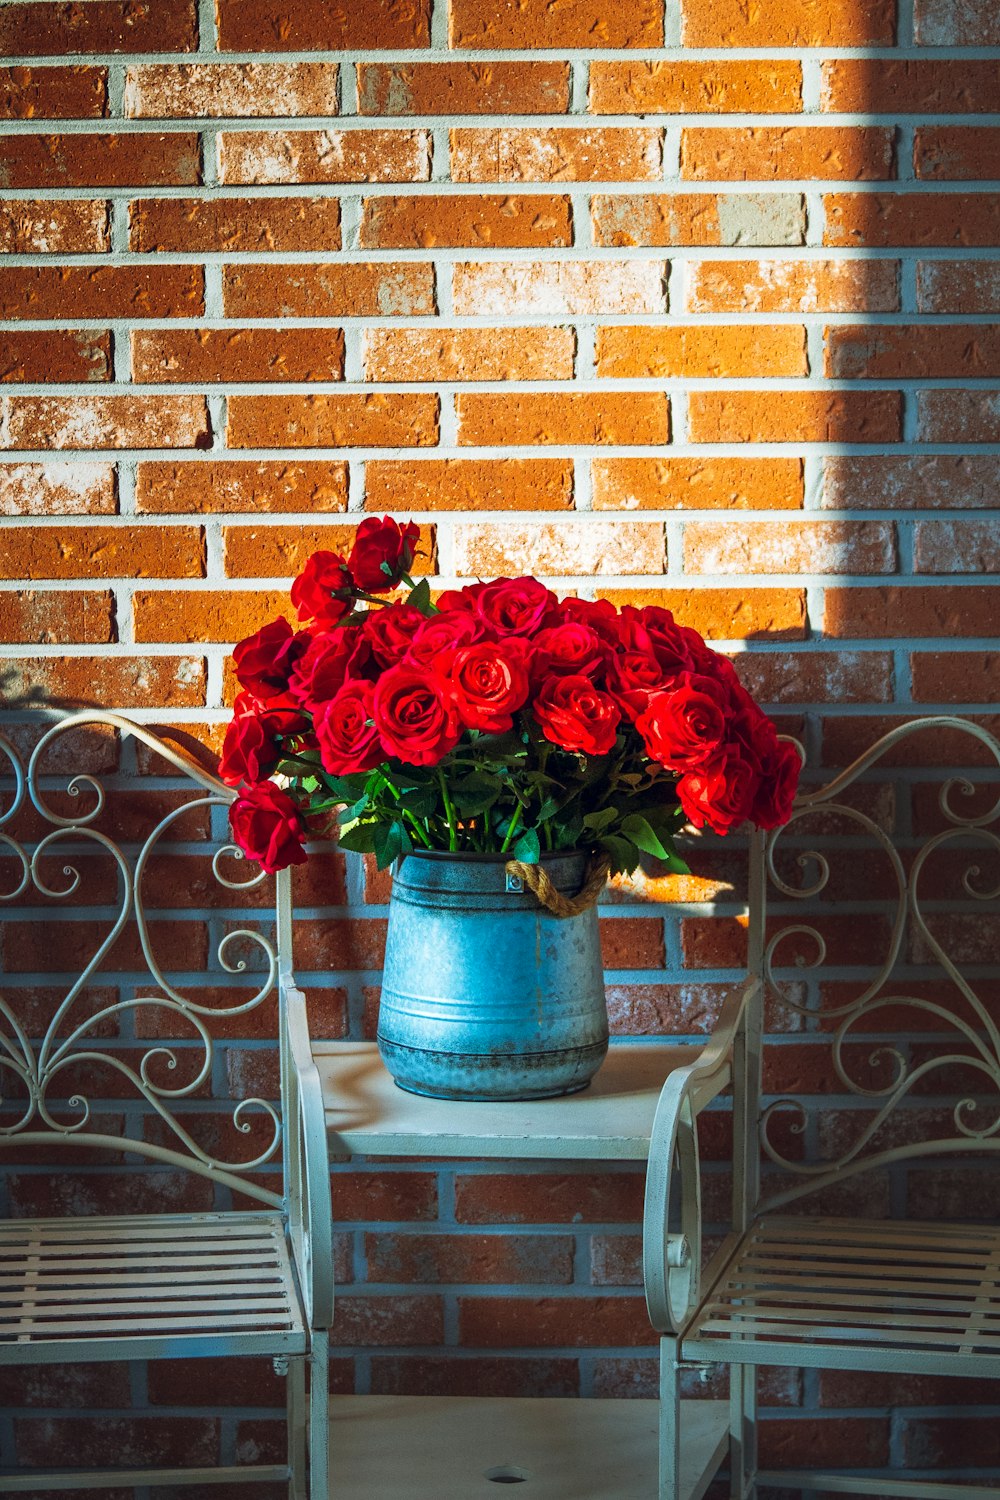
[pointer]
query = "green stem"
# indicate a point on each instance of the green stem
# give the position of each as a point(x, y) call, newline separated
point(418, 828)
point(519, 809)
point(449, 811)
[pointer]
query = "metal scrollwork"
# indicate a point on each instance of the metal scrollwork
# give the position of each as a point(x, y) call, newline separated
point(958, 1011)
point(69, 1036)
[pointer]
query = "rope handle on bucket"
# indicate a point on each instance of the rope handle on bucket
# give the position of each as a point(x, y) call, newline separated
point(536, 880)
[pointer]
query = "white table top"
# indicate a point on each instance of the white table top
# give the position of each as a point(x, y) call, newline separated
point(612, 1119)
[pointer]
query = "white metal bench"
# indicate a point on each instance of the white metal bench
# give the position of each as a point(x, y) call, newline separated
point(179, 1285)
point(830, 1292)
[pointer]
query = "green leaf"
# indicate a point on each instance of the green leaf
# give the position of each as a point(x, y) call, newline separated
point(420, 598)
point(390, 841)
point(621, 852)
point(360, 837)
point(421, 801)
point(675, 865)
point(475, 793)
point(527, 848)
point(597, 822)
point(352, 813)
point(639, 830)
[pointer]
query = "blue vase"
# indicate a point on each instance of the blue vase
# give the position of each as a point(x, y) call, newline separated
point(485, 994)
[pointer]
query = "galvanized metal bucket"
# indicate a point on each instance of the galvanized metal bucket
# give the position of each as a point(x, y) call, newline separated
point(485, 994)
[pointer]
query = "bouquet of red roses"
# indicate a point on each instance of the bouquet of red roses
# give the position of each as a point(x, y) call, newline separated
point(500, 719)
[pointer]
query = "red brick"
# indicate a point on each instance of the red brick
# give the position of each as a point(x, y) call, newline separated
point(795, 416)
point(599, 548)
point(382, 1196)
point(559, 287)
point(868, 1388)
point(697, 483)
point(223, 616)
point(949, 152)
point(656, 1009)
point(726, 614)
point(683, 86)
point(856, 1442)
point(65, 1385)
point(257, 156)
point(877, 482)
point(950, 416)
point(53, 93)
point(54, 228)
point(956, 547)
point(955, 676)
point(468, 354)
point(310, 25)
point(42, 28)
point(632, 943)
point(67, 1194)
point(817, 677)
point(890, 611)
point(73, 356)
point(768, 152)
point(397, 421)
point(964, 286)
point(374, 1322)
point(699, 219)
point(354, 290)
point(229, 1382)
point(575, 1322)
point(164, 91)
point(461, 88)
point(100, 160)
point(845, 738)
point(579, 417)
point(793, 286)
point(282, 224)
point(721, 943)
point(943, 1441)
point(122, 682)
point(886, 219)
point(799, 23)
point(226, 485)
point(444, 1258)
point(470, 484)
point(944, 351)
point(237, 354)
point(107, 422)
point(537, 24)
point(102, 292)
point(559, 155)
point(943, 23)
point(104, 552)
point(540, 222)
point(48, 618)
point(849, 547)
point(93, 1442)
point(698, 352)
point(453, 1375)
point(911, 86)
point(281, 551)
point(548, 1198)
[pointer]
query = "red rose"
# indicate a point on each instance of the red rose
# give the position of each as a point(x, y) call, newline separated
point(323, 591)
point(574, 715)
point(267, 827)
point(414, 717)
point(721, 792)
point(684, 726)
point(334, 658)
point(443, 634)
point(515, 606)
point(253, 743)
point(383, 551)
point(348, 741)
point(779, 781)
point(633, 677)
point(488, 685)
point(460, 601)
point(599, 614)
point(569, 648)
point(389, 632)
point(264, 662)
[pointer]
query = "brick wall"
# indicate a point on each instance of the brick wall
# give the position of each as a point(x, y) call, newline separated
point(695, 305)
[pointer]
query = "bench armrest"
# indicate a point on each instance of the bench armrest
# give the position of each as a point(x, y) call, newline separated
point(671, 1259)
